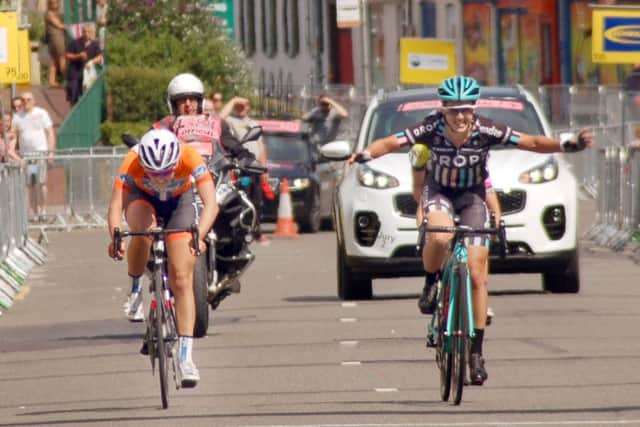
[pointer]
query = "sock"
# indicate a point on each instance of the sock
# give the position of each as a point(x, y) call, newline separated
point(476, 345)
point(431, 278)
point(185, 345)
point(135, 283)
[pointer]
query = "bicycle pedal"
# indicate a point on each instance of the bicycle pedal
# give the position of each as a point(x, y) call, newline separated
point(431, 342)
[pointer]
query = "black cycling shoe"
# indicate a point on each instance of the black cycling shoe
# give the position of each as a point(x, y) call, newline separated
point(428, 300)
point(144, 350)
point(476, 369)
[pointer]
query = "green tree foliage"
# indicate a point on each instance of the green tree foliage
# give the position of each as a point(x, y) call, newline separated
point(157, 39)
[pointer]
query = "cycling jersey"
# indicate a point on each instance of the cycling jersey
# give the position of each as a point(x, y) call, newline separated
point(131, 175)
point(452, 167)
point(203, 132)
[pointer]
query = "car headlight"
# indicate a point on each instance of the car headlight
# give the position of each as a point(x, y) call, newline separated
point(368, 177)
point(548, 171)
point(300, 184)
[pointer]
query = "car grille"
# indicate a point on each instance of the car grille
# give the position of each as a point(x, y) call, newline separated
point(405, 204)
point(512, 202)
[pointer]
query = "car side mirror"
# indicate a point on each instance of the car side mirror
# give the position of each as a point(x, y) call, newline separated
point(336, 150)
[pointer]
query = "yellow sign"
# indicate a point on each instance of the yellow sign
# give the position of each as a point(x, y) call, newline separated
point(616, 35)
point(8, 47)
point(426, 61)
point(24, 57)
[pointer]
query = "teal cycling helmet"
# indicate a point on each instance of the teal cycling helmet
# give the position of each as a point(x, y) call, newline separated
point(459, 88)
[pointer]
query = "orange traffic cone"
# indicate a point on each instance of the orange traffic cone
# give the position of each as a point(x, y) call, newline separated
point(285, 225)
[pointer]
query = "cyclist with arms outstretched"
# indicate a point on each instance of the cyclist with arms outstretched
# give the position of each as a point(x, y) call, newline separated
point(459, 142)
point(154, 183)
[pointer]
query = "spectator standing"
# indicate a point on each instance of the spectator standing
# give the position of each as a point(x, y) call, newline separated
point(8, 140)
point(83, 52)
point(325, 120)
point(236, 114)
point(213, 104)
point(37, 142)
point(56, 40)
point(17, 104)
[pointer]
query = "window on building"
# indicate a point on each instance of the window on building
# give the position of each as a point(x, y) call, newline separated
point(292, 27)
point(248, 27)
point(269, 28)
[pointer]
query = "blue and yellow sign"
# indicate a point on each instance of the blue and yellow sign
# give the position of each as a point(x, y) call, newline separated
point(616, 35)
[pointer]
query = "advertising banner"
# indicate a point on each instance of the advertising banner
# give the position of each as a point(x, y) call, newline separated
point(426, 61)
point(8, 47)
point(347, 13)
point(616, 35)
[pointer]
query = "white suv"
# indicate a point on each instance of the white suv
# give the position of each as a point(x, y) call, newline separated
point(374, 209)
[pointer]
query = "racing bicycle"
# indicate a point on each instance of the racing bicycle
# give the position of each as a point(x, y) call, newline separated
point(451, 328)
point(161, 336)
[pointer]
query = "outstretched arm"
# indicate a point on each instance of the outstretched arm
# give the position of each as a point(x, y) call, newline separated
point(342, 112)
point(542, 144)
point(377, 148)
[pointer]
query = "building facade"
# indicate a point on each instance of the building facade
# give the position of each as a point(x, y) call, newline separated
point(533, 42)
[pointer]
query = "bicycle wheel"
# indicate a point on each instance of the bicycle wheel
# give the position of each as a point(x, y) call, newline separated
point(443, 356)
point(200, 292)
point(459, 347)
point(161, 317)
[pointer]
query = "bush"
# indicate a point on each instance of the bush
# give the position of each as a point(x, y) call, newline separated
point(138, 93)
point(110, 132)
point(151, 41)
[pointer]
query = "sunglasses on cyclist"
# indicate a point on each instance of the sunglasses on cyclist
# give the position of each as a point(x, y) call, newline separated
point(159, 174)
point(464, 109)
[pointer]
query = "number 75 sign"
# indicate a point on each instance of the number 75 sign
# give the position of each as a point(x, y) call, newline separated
point(14, 50)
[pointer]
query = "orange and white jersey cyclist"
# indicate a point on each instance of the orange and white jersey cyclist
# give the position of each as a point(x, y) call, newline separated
point(459, 141)
point(153, 186)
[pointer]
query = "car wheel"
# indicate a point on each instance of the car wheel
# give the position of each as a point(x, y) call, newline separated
point(351, 287)
point(566, 280)
point(311, 224)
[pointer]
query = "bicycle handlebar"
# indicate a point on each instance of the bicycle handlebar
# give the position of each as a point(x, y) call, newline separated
point(158, 232)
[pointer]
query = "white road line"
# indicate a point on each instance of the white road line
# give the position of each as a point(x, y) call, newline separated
point(349, 304)
point(348, 319)
point(349, 343)
point(351, 363)
point(385, 389)
point(465, 424)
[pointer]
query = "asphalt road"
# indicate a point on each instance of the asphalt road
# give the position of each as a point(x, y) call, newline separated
point(286, 351)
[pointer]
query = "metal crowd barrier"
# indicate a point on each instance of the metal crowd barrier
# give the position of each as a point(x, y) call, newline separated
point(609, 173)
point(18, 253)
point(79, 188)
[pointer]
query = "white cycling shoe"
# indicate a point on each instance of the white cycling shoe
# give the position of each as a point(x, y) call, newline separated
point(134, 308)
point(189, 374)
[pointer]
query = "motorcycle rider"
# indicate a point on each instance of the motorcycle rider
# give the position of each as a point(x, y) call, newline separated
point(209, 134)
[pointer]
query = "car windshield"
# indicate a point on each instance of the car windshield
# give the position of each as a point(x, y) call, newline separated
point(281, 148)
point(391, 118)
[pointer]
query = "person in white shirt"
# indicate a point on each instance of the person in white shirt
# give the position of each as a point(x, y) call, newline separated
point(37, 143)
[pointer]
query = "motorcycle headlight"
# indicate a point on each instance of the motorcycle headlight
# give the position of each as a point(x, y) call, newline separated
point(548, 171)
point(371, 178)
point(299, 184)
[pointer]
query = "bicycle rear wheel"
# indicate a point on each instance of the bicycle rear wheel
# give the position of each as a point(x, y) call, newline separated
point(459, 347)
point(161, 317)
point(443, 357)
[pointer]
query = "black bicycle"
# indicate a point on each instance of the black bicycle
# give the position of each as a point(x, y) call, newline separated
point(161, 336)
point(451, 328)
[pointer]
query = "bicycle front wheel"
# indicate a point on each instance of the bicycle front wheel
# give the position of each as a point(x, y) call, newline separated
point(162, 316)
point(443, 357)
point(459, 347)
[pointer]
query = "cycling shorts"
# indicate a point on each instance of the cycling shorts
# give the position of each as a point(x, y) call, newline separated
point(469, 205)
point(177, 212)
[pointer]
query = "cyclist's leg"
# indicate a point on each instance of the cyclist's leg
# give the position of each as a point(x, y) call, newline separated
point(438, 211)
point(181, 213)
point(475, 215)
point(140, 215)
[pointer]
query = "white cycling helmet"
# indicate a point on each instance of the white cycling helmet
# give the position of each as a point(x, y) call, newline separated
point(159, 150)
point(182, 85)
